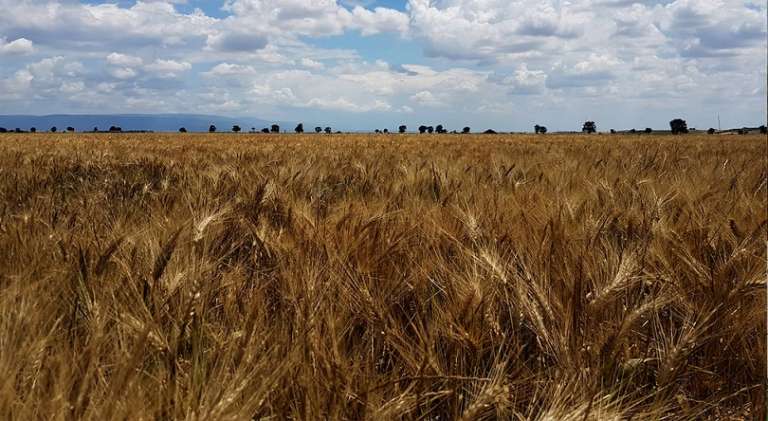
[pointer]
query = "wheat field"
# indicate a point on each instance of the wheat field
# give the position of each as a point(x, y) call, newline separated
point(232, 277)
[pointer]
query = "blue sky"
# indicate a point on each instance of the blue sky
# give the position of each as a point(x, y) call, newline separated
point(365, 64)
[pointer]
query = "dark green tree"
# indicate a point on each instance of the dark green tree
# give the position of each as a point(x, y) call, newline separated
point(678, 126)
point(589, 127)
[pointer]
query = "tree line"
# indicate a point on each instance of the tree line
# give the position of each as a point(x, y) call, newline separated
point(677, 126)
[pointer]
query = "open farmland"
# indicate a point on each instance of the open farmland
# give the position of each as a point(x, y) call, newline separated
point(382, 277)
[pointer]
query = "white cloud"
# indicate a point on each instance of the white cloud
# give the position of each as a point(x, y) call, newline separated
point(18, 46)
point(228, 69)
point(425, 98)
point(293, 18)
point(72, 87)
point(118, 59)
point(123, 73)
point(311, 64)
point(168, 68)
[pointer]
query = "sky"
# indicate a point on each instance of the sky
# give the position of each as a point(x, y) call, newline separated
point(365, 64)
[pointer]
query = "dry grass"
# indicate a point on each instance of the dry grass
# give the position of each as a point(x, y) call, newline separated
point(368, 277)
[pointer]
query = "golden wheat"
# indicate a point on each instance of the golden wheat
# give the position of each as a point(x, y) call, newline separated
point(382, 277)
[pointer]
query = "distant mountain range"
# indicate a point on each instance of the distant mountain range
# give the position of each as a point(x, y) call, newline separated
point(127, 122)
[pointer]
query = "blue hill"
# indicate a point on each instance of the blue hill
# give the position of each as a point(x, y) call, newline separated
point(152, 122)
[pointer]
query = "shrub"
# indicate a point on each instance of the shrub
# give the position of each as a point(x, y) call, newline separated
point(212, 129)
point(318, 129)
point(465, 130)
point(182, 130)
point(275, 128)
point(402, 129)
point(236, 129)
point(299, 128)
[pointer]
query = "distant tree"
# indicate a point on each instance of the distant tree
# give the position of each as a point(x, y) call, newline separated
point(253, 130)
point(338, 131)
point(648, 130)
point(377, 131)
point(542, 130)
point(439, 129)
point(613, 131)
point(95, 129)
point(763, 130)
point(265, 130)
point(318, 129)
point(711, 131)
point(236, 128)
point(17, 130)
point(328, 130)
point(633, 131)
point(743, 131)
point(3, 130)
point(385, 131)
point(299, 128)
point(536, 129)
point(589, 127)
point(490, 131)
point(402, 129)
point(466, 130)
point(182, 130)
point(275, 128)
point(32, 130)
point(430, 129)
point(422, 129)
point(212, 129)
point(71, 129)
point(678, 126)
point(53, 129)
point(115, 129)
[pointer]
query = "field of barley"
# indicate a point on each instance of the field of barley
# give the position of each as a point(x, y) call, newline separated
point(233, 277)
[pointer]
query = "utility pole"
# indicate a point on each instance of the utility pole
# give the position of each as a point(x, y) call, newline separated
point(718, 122)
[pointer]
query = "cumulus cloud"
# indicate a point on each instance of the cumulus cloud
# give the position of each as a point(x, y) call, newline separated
point(425, 98)
point(236, 41)
point(16, 47)
point(168, 68)
point(312, 17)
point(118, 59)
